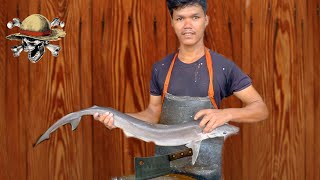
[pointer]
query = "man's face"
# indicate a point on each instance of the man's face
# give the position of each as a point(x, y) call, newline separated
point(189, 23)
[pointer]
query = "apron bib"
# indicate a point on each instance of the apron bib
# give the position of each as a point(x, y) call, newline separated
point(181, 109)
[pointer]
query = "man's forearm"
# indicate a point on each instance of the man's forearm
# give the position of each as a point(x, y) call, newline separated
point(254, 112)
point(147, 115)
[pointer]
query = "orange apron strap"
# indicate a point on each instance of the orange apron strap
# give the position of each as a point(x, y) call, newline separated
point(166, 83)
point(211, 87)
point(209, 66)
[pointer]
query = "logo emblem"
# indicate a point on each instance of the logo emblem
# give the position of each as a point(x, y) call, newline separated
point(35, 34)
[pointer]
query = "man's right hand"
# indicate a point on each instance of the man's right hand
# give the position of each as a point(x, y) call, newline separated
point(106, 119)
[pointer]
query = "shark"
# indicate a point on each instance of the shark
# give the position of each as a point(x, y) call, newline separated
point(189, 134)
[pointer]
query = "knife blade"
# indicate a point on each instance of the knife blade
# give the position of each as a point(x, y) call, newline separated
point(151, 167)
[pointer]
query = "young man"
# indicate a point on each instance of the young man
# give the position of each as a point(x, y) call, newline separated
point(190, 84)
point(189, 21)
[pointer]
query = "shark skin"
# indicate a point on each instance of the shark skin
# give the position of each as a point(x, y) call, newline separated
point(189, 134)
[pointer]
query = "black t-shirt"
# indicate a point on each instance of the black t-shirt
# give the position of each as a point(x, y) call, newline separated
point(193, 79)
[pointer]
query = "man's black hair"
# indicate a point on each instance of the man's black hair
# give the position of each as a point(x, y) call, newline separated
point(178, 4)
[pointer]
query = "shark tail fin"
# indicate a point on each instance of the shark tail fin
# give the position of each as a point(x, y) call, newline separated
point(43, 137)
point(74, 123)
point(195, 146)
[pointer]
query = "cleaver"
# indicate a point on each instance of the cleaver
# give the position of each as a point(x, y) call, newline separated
point(151, 167)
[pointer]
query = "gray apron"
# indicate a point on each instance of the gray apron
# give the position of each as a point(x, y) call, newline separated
point(181, 109)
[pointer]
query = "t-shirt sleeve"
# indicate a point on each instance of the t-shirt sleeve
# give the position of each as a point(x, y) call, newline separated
point(237, 80)
point(154, 85)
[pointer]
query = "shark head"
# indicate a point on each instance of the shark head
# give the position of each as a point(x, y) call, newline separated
point(223, 131)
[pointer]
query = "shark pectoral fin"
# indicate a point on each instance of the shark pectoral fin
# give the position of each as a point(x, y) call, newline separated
point(128, 134)
point(74, 123)
point(195, 146)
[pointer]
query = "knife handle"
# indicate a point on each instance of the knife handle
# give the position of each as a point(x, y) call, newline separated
point(180, 154)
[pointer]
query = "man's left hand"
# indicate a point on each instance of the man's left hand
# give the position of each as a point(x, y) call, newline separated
point(212, 118)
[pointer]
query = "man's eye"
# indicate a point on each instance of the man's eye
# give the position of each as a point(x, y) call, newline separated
point(179, 19)
point(196, 17)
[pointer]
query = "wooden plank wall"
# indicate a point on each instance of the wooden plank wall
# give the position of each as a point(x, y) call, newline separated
point(106, 60)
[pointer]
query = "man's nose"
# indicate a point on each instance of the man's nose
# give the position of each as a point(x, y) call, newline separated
point(187, 23)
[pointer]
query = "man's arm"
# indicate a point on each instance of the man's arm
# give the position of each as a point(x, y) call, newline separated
point(150, 114)
point(254, 110)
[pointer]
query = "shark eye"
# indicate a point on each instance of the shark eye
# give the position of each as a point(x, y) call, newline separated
point(224, 132)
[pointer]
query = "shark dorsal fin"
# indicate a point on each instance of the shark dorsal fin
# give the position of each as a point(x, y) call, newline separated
point(195, 146)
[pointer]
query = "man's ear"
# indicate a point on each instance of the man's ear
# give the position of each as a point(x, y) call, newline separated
point(207, 20)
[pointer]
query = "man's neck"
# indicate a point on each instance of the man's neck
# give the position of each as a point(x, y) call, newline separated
point(190, 54)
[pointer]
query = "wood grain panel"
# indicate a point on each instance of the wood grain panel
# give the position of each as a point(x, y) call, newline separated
point(316, 89)
point(282, 95)
point(107, 145)
point(258, 42)
point(224, 15)
point(218, 34)
point(121, 33)
point(289, 134)
point(71, 86)
point(38, 166)
point(259, 52)
point(158, 49)
point(23, 95)
point(134, 66)
point(302, 27)
point(16, 156)
point(300, 31)
point(296, 169)
point(3, 106)
point(153, 48)
point(316, 54)
point(55, 91)
point(84, 51)
point(309, 87)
